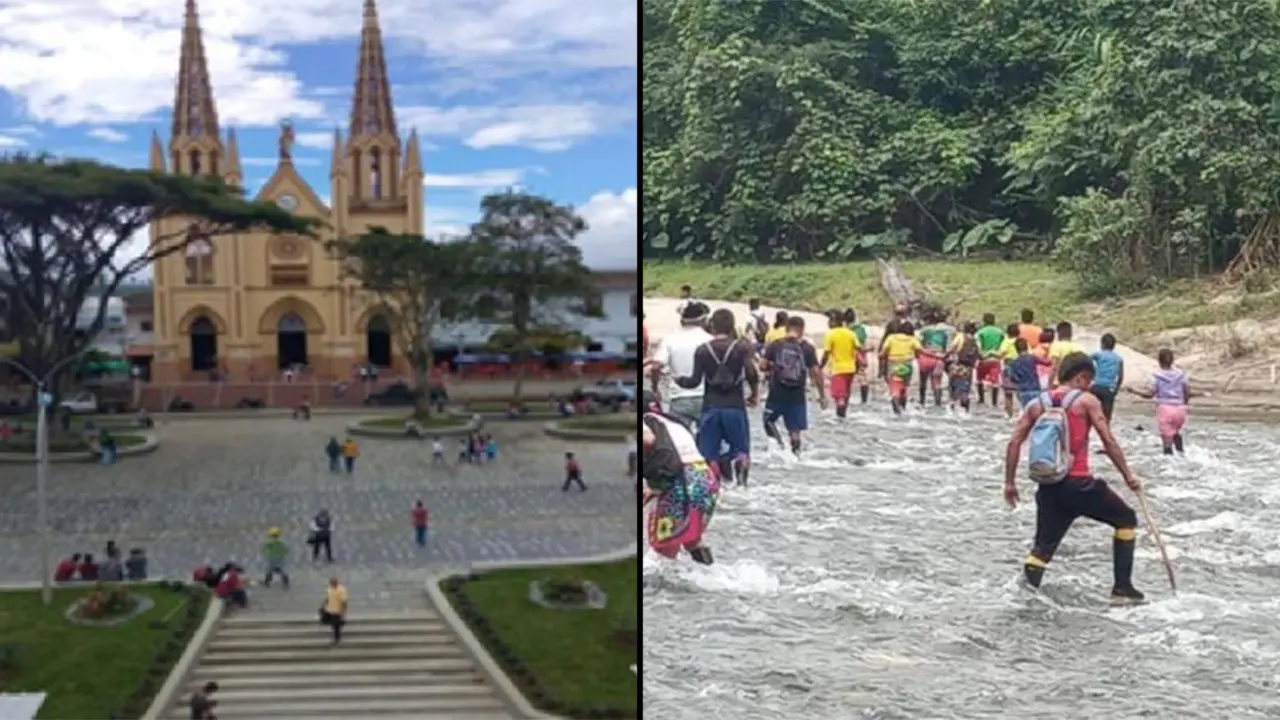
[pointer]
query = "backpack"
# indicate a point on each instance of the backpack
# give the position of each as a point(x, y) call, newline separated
point(789, 366)
point(969, 353)
point(1049, 456)
point(722, 379)
point(762, 327)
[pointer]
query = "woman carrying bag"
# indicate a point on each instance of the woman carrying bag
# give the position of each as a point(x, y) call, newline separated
point(334, 610)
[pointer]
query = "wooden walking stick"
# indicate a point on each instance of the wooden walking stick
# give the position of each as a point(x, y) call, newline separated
point(1155, 534)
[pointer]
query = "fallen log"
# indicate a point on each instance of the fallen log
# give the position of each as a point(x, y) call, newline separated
point(898, 287)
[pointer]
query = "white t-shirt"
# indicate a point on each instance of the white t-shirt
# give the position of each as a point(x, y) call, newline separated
point(676, 355)
point(437, 447)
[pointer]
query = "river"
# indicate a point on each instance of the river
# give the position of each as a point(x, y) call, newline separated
point(879, 577)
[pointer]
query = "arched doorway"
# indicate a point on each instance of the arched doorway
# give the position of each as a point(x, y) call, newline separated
point(291, 341)
point(378, 341)
point(204, 344)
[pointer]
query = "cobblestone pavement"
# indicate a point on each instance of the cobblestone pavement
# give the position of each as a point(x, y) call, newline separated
point(213, 488)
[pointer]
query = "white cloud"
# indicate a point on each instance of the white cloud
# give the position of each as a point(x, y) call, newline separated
point(114, 61)
point(9, 142)
point(444, 221)
point(483, 180)
point(314, 140)
point(612, 230)
point(108, 135)
point(547, 128)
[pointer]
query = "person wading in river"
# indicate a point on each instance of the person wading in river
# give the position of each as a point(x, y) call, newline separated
point(721, 367)
point(1057, 425)
point(790, 362)
point(675, 357)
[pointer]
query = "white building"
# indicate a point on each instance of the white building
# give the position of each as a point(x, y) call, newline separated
point(617, 330)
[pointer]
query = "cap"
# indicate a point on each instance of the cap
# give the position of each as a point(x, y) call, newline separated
point(274, 532)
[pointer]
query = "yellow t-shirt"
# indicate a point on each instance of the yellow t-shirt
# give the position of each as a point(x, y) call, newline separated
point(1062, 348)
point(1008, 351)
point(776, 333)
point(350, 449)
point(841, 346)
point(899, 348)
point(335, 600)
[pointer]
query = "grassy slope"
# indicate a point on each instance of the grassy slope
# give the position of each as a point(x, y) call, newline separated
point(977, 286)
point(571, 652)
point(86, 671)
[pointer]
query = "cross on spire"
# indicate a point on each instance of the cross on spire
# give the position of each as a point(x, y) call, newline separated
point(194, 113)
point(371, 109)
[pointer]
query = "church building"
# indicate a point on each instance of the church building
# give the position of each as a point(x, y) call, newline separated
point(253, 304)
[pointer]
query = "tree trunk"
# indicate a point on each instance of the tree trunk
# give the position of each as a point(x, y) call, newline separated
point(422, 385)
point(895, 284)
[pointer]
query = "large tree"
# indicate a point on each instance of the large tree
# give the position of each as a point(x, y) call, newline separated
point(534, 278)
point(415, 282)
point(70, 230)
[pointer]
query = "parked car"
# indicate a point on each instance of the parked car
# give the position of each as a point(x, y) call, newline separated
point(614, 391)
point(402, 394)
point(89, 402)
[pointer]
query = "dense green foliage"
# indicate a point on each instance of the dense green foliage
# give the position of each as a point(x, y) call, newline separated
point(1131, 139)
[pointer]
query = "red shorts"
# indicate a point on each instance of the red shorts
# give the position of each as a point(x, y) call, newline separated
point(930, 367)
point(840, 386)
point(989, 372)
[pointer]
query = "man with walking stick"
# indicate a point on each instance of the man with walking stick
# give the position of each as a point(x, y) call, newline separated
point(1057, 426)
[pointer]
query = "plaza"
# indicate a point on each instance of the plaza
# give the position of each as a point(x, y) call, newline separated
point(215, 486)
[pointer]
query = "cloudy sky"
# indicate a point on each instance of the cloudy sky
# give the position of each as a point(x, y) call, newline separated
point(534, 93)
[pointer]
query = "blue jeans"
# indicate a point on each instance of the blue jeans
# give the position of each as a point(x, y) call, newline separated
point(420, 536)
point(794, 415)
point(729, 425)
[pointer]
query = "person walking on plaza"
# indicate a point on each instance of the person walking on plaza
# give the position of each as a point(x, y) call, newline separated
point(420, 517)
point(275, 552)
point(350, 451)
point(334, 610)
point(572, 473)
point(333, 450)
point(322, 536)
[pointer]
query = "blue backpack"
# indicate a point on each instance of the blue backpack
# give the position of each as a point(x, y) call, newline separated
point(1049, 455)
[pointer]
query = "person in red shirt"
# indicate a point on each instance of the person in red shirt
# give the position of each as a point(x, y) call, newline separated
point(420, 517)
point(66, 570)
point(87, 569)
point(1079, 494)
point(572, 473)
point(231, 589)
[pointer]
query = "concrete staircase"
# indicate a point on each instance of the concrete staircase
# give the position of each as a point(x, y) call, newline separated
point(397, 665)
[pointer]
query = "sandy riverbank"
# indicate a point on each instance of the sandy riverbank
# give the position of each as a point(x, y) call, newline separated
point(661, 318)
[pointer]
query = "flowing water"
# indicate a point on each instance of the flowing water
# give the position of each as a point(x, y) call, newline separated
point(879, 577)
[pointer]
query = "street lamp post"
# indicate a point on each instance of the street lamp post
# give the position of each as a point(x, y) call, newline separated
point(43, 400)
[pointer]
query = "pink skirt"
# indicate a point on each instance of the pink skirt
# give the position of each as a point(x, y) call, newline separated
point(1170, 419)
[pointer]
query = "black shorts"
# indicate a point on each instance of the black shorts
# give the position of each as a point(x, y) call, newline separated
point(1107, 397)
point(1058, 506)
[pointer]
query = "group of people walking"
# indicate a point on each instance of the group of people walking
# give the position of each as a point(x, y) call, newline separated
point(718, 369)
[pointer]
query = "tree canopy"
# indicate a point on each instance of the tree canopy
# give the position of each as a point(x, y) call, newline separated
point(1132, 140)
point(415, 282)
point(68, 231)
point(535, 282)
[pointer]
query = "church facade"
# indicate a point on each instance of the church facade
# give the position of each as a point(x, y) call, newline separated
point(254, 304)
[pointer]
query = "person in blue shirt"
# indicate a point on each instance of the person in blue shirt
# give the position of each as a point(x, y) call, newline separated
point(1021, 374)
point(1108, 375)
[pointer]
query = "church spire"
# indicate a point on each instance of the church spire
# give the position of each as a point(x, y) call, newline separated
point(194, 114)
point(371, 110)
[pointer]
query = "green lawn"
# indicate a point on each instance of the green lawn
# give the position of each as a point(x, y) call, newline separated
point(975, 286)
point(575, 654)
point(396, 422)
point(88, 672)
point(68, 444)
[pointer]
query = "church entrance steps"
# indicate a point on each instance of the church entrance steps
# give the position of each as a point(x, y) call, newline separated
point(283, 665)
